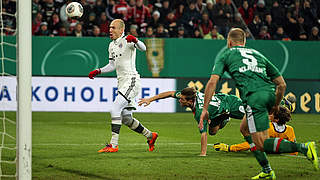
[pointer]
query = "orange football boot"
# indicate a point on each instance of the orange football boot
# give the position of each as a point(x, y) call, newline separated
point(109, 148)
point(152, 141)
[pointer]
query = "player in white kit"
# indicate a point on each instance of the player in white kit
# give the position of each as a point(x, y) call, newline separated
point(122, 56)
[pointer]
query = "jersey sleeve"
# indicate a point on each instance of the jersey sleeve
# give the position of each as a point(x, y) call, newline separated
point(272, 70)
point(110, 53)
point(219, 65)
point(177, 95)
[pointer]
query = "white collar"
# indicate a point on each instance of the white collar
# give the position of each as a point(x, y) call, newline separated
point(279, 128)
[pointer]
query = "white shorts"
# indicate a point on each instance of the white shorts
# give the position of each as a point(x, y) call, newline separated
point(129, 88)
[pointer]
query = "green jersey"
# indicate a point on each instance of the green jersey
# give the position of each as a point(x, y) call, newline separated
point(249, 68)
point(220, 104)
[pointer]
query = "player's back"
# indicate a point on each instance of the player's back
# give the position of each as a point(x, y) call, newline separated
point(251, 70)
point(124, 55)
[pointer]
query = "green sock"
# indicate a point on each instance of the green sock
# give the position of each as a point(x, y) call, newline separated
point(279, 145)
point(260, 156)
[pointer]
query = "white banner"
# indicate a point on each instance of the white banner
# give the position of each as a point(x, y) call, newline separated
point(82, 94)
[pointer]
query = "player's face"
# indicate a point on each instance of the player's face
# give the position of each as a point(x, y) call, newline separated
point(115, 30)
point(183, 102)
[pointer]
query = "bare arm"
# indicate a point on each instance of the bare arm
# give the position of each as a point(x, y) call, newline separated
point(280, 90)
point(163, 95)
point(203, 144)
point(209, 92)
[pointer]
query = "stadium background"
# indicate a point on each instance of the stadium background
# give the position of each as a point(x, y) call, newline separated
point(177, 62)
point(65, 144)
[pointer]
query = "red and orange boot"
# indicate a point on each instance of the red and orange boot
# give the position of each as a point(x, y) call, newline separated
point(109, 148)
point(152, 141)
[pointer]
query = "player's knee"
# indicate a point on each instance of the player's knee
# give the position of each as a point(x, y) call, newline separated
point(127, 120)
point(259, 147)
point(213, 131)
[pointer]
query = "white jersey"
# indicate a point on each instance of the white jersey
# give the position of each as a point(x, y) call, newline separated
point(124, 56)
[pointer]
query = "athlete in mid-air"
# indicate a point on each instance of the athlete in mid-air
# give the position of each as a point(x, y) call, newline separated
point(222, 107)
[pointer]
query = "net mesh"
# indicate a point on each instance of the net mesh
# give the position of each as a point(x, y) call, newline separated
point(8, 89)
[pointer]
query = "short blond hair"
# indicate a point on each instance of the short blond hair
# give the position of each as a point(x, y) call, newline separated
point(237, 35)
point(121, 23)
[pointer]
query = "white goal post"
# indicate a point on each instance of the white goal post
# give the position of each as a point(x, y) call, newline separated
point(24, 74)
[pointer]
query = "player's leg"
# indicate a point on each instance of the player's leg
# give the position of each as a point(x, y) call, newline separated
point(118, 105)
point(257, 124)
point(134, 124)
point(280, 145)
point(131, 93)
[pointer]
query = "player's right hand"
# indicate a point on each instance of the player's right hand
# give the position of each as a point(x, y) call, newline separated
point(144, 101)
point(93, 73)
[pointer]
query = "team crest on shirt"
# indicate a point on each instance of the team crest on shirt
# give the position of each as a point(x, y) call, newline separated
point(120, 45)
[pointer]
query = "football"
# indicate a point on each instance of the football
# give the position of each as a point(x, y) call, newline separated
point(74, 9)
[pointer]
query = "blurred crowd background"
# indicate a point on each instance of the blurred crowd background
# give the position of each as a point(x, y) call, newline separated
point(207, 19)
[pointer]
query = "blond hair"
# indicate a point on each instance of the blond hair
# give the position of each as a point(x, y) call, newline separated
point(237, 35)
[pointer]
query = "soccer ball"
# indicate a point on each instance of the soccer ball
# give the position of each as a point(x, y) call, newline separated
point(74, 9)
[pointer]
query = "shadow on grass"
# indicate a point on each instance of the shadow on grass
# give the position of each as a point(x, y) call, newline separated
point(80, 173)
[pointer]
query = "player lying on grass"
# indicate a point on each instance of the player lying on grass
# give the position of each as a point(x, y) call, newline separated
point(278, 129)
point(222, 107)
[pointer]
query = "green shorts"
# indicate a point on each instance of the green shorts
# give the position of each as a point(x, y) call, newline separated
point(257, 109)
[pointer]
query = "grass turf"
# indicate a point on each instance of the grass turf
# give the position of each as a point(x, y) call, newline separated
point(65, 147)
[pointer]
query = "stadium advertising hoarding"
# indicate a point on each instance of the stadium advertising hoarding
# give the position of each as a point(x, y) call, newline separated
point(53, 56)
point(306, 93)
point(82, 94)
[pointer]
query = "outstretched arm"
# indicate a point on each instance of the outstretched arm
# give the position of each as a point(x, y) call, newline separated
point(203, 144)
point(107, 68)
point(163, 95)
point(209, 91)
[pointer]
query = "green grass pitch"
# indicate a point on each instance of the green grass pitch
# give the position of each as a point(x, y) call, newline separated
point(65, 147)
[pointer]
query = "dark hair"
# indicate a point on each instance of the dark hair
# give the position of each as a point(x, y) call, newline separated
point(283, 115)
point(189, 92)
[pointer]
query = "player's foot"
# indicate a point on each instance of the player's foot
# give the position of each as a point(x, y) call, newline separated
point(263, 175)
point(221, 147)
point(312, 154)
point(152, 141)
point(109, 148)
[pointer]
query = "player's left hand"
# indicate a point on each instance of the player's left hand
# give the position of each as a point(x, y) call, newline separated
point(131, 38)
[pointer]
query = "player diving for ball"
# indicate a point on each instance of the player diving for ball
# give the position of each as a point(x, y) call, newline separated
point(278, 129)
point(122, 56)
point(222, 107)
